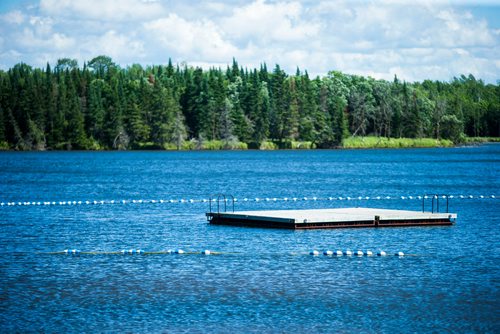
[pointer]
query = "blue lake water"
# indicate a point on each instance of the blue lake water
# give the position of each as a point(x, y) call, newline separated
point(264, 280)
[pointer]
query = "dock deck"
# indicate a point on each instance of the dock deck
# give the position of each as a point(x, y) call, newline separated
point(331, 218)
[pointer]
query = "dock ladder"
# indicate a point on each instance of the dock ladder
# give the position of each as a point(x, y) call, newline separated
point(435, 198)
point(221, 198)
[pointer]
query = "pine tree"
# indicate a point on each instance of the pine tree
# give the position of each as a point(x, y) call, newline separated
point(75, 130)
point(278, 104)
point(291, 115)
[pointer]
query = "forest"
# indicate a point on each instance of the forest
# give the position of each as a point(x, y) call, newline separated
point(101, 106)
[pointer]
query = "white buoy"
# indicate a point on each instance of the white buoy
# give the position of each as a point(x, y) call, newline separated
point(123, 251)
point(179, 251)
point(75, 251)
point(314, 253)
point(348, 253)
point(400, 254)
point(285, 199)
point(205, 252)
point(339, 253)
point(140, 251)
point(492, 196)
point(131, 251)
point(328, 252)
point(66, 251)
point(381, 253)
point(369, 253)
point(359, 253)
point(295, 199)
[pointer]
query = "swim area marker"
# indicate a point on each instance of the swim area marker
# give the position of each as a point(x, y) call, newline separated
point(6, 204)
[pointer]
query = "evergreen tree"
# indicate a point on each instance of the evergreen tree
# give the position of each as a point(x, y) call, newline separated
point(104, 106)
point(74, 130)
point(278, 104)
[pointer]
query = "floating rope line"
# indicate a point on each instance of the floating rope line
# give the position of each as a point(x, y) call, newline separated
point(254, 199)
point(338, 253)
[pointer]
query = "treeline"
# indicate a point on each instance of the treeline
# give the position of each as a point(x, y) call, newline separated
point(103, 106)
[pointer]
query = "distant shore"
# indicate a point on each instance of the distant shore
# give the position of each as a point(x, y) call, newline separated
point(368, 142)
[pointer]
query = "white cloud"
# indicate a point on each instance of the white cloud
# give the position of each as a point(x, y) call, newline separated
point(103, 10)
point(203, 40)
point(120, 47)
point(15, 17)
point(261, 21)
point(418, 40)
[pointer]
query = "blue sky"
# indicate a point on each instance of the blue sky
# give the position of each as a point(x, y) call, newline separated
point(415, 40)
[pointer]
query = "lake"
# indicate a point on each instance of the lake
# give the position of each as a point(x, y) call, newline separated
point(263, 280)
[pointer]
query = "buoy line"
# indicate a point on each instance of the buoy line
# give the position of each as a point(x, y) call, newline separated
point(328, 253)
point(253, 199)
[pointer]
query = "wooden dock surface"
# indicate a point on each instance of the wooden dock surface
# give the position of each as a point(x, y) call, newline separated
point(331, 218)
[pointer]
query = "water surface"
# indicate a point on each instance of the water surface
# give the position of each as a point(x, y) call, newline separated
point(264, 281)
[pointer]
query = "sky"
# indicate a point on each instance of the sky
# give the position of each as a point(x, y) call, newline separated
point(415, 40)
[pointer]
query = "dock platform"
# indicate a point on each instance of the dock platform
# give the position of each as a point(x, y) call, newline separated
point(331, 218)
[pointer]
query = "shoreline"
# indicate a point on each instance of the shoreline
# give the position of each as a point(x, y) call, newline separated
point(351, 143)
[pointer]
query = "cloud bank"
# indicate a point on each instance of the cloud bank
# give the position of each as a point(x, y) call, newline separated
point(415, 41)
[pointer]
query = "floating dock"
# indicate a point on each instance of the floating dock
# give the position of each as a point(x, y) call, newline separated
point(331, 218)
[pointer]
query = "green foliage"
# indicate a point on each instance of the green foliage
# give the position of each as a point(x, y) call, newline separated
point(268, 145)
point(102, 106)
point(383, 142)
point(477, 140)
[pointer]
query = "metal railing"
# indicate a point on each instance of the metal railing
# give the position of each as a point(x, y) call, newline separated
point(435, 198)
point(221, 197)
